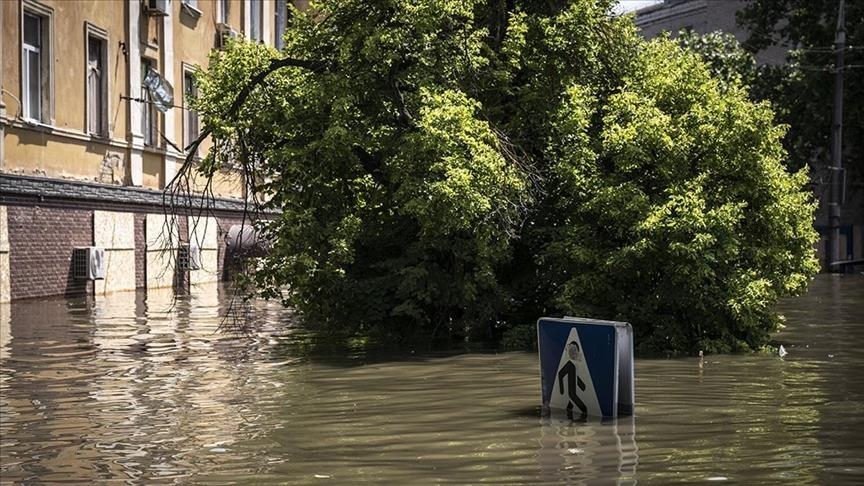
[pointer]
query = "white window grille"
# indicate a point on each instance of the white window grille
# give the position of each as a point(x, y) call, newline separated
point(97, 87)
point(190, 116)
point(31, 69)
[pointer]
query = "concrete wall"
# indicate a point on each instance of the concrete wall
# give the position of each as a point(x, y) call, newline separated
point(204, 233)
point(115, 232)
point(163, 240)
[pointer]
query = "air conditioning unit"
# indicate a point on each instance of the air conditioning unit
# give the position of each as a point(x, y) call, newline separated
point(157, 8)
point(189, 257)
point(88, 263)
point(223, 33)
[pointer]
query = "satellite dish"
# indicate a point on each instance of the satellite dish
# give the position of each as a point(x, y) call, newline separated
point(160, 90)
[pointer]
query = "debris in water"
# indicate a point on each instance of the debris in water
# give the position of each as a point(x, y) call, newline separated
point(701, 359)
point(782, 351)
point(322, 476)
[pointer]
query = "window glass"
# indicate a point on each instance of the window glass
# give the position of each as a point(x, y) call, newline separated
point(32, 29)
point(255, 19)
point(148, 117)
point(31, 67)
point(33, 84)
point(191, 117)
point(224, 10)
point(95, 83)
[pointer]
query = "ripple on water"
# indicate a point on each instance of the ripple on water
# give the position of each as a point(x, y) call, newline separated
point(143, 390)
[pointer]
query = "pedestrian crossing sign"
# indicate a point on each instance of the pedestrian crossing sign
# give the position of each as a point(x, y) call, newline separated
point(586, 366)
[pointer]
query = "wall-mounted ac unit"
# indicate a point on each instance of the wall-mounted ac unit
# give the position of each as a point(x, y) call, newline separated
point(157, 8)
point(223, 33)
point(189, 257)
point(88, 263)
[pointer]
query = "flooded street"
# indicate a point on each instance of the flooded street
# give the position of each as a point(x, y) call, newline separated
point(140, 389)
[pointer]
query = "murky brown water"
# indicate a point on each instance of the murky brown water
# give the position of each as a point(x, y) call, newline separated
point(133, 390)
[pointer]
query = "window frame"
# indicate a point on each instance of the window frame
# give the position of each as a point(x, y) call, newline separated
point(223, 11)
point(149, 131)
point(190, 117)
point(256, 20)
point(100, 35)
point(45, 15)
point(280, 21)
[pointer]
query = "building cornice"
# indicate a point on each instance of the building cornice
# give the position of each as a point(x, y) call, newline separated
point(20, 189)
point(662, 12)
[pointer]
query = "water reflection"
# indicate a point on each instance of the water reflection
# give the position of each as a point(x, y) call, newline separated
point(121, 387)
point(571, 451)
point(146, 390)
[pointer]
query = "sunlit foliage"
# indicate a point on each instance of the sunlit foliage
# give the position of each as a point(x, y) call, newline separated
point(453, 168)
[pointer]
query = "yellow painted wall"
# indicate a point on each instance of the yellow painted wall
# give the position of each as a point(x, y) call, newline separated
point(224, 183)
point(44, 153)
point(154, 173)
point(67, 151)
point(64, 149)
point(193, 40)
point(69, 57)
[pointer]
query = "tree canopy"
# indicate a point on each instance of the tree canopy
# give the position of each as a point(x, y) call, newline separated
point(802, 90)
point(450, 168)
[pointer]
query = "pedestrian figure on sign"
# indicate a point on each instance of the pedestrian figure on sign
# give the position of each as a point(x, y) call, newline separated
point(568, 371)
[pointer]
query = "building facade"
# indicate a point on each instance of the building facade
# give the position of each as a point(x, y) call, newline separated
point(85, 153)
point(702, 16)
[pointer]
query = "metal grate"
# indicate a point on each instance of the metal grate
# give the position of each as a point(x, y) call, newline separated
point(183, 257)
point(80, 262)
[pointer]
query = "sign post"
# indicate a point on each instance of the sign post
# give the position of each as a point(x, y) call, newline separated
point(586, 366)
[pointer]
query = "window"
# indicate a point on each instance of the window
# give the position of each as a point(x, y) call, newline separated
point(191, 3)
point(280, 22)
point(35, 67)
point(190, 117)
point(255, 32)
point(223, 11)
point(97, 85)
point(149, 116)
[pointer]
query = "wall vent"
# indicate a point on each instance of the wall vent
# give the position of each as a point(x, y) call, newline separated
point(189, 257)
point(223, 33)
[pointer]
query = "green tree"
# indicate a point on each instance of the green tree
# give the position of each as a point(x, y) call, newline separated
point(802, 91)
point(444, 167)
point(728, 62)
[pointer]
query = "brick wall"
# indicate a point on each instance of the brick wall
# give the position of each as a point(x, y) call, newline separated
point(41, 240)
point(140, 250)
point(40, 250)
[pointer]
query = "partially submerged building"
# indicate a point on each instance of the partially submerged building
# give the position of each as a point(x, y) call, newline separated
point(86, 152)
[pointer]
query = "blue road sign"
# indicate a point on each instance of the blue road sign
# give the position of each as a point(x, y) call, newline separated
point(586, 366)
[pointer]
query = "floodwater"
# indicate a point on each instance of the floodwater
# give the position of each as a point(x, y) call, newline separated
point(128, 389)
